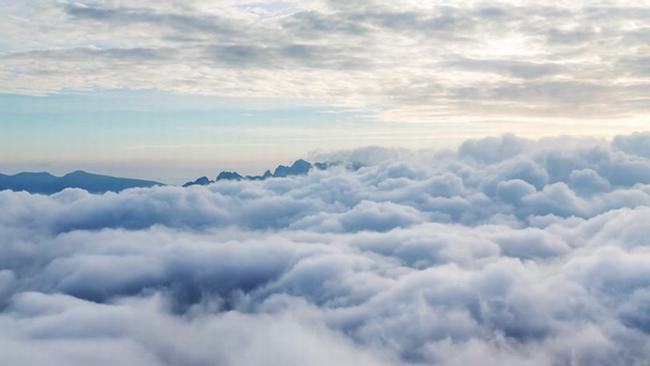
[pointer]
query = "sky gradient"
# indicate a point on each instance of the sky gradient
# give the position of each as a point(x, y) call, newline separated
point(185, 88)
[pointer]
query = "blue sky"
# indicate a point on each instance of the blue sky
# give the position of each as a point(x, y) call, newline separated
point(171, 136)
point(169, 90)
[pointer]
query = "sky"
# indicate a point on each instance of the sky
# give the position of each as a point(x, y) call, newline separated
point(177, 89)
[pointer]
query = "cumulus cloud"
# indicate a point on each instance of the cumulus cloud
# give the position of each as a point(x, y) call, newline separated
point(504, 251)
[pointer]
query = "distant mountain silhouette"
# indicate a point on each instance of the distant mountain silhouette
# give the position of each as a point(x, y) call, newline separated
point(267, 174)
point(46, 183)
point(229, 176)
point(203, 181)
point(299, 167)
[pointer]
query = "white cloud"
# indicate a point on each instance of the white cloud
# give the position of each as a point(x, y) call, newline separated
point(405, 61)
point(507, 251)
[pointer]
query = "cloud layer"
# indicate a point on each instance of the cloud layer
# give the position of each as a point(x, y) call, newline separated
point(406, 60)
point(504, 252)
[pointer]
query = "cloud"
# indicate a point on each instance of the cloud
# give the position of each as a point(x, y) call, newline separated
point(501, 60)
point(518, 69)
point(635, 144)
point(506, 250)
point(124, 16)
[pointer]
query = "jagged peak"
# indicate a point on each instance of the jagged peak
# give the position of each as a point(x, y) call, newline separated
point(201, 181)
point(298, 167)
point(225, 175)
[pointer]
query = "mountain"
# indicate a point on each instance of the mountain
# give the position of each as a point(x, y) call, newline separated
point(203, 181)
point(299, 167)
point(229, 176)
point(267, 174)
point(46, 183)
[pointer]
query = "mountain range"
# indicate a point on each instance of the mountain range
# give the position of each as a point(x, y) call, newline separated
point(46, 183)
point(299, 167)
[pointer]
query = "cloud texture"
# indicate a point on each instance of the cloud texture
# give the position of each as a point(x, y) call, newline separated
point(405, 60)
point(504, 252)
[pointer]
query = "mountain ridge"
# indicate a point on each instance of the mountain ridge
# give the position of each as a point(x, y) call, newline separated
point(46, 183)
point(299, 167)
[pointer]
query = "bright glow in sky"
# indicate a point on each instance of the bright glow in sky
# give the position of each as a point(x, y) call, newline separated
point(171, 90)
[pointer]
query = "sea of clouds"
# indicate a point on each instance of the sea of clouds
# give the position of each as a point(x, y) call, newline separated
point(505, 251)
